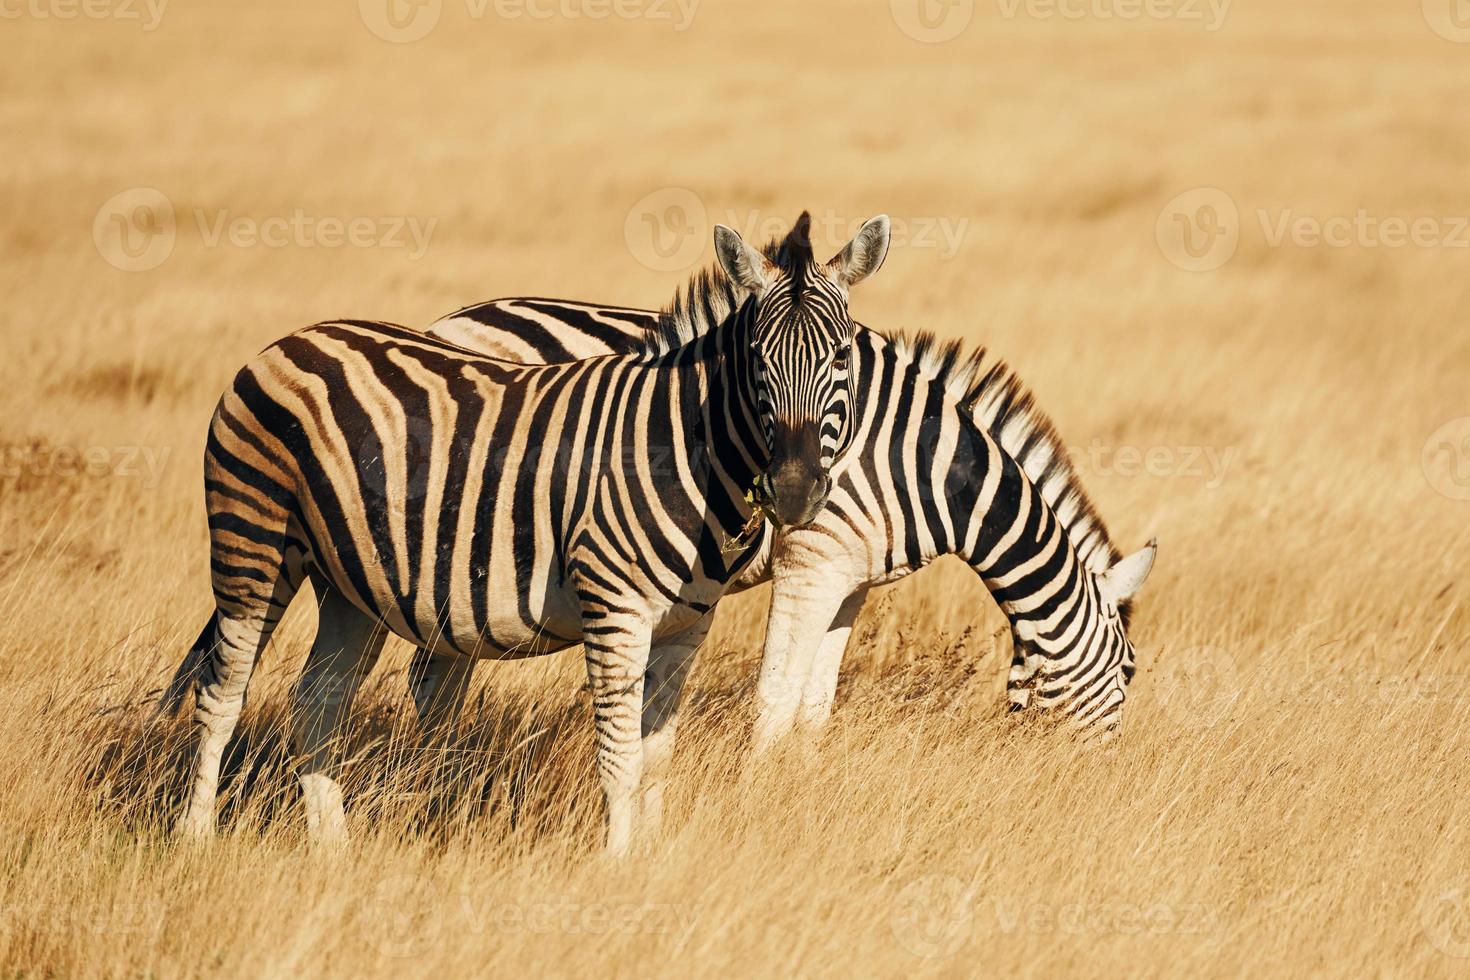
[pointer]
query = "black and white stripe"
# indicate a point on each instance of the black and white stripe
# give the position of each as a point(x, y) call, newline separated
point(950, 455)
point(486, 509)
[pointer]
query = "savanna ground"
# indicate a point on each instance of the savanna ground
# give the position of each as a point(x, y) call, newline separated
point(1289, 795)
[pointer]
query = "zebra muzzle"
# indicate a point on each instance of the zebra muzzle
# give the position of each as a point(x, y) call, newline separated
point(798, 492)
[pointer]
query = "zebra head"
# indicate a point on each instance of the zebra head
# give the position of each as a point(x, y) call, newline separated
point(1081, 670)
point(801, 339)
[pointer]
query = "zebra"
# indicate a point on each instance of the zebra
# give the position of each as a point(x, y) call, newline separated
point(480, 508)
point(953, 456)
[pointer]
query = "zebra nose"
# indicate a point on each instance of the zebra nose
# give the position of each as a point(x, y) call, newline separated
point(798, 493)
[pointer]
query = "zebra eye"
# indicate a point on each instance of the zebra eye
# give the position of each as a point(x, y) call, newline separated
point(839, 357)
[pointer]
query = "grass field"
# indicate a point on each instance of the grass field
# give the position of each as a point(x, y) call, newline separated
point(1226, 246)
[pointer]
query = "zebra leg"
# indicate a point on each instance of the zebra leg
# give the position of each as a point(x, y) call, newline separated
point(617, 647)
point(347, 645)
point(438, 683)
point(242, 628)
point(821, 685)
point(804, 602)
point(663, 687)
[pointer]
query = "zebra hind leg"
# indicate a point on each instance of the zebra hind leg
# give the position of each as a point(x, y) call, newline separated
point(616, 644)
point(347, 645)
point(241, 628)
point(187, 675)
point(663, 688)
point(438, 683)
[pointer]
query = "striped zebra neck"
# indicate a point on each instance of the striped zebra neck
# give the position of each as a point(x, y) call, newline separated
point(730, 417)
point(991, 391)
point(1070, 648)
point(999, 402)
point(700, 306)
point(972, 474)
point(554, 331)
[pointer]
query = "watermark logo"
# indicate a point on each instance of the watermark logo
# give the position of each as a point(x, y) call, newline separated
point(1197, 686)
point(1446, 459)
point(1206, 464)
point(668, 229)
point(135, 230)
point(148, 13)
point(937, 916)
point(932, 21)
point(1199, 230)
point(1363, 230)
point(1444, 918)
point(406, 21)
point(399, 919)
point(1450, 19)
point(301, 229)
point(1210, 13)
point(406, 915)
point(41, 462)
point(933, 916)
point(400, 21)
point(665, 230)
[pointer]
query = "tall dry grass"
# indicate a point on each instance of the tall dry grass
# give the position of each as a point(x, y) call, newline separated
point(1289, 794)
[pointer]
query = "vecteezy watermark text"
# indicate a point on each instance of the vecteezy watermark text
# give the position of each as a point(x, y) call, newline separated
point(936, 915)
point(937, 21)
point(406, 915)
point(406, 21)
point(1210, 14)
point(137, 229)
point(1208, 464)
point(144, 463)
point(1200, 229)
point(303, 230)
point(667, 230)
point(147, 13)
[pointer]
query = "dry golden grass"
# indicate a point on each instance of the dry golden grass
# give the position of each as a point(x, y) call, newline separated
point(1289, 796)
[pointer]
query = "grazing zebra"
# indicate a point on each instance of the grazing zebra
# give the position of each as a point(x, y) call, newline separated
point(951, 456)
point(484, 509)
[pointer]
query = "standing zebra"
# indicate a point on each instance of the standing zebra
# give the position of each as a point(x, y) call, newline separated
point(485, 509)
point(951, 455)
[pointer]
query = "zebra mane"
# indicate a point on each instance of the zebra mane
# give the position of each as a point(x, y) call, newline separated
point(987, 388)
point(708, 298)
point(1000, 403)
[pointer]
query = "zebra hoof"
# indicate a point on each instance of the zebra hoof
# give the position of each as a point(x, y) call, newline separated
point(195, 825)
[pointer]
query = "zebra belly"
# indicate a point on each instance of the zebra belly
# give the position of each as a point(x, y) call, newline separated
point(505, 628)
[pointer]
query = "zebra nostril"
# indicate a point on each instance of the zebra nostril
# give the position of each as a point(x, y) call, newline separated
point(798, 493)
point(818, 493)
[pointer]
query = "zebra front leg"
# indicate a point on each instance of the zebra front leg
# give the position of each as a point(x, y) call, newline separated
point(346, 647)
point(821, 685)
point(663, 688)
point(617, 647)
point(438, 683)
point(804, 602)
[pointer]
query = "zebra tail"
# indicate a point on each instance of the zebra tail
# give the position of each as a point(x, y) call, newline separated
point(188, 672)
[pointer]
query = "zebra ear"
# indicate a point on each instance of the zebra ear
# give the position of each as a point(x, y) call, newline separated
point(1121, 581)
point(863, 255)
point(745, 266)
